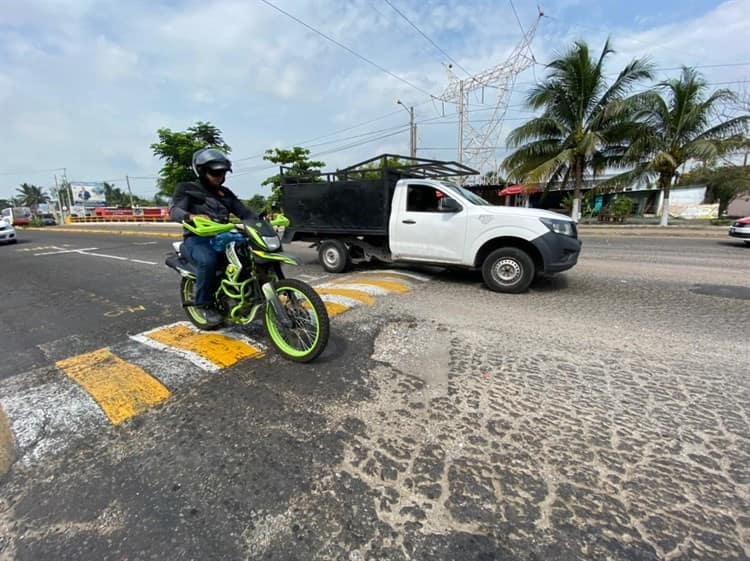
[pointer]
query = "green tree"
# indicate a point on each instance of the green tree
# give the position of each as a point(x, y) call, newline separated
point(258, 203)
point(176, 150)
point(373, 169)
point(723, 183)
point(494, 178)
point(582, 123)
point(114, 196)
point(677, 129)
point(298, 161)
point(31, 196)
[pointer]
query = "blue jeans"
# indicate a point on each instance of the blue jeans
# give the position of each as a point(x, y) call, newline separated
point(199, 252)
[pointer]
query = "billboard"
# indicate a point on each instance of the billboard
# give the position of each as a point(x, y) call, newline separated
point(88, 193)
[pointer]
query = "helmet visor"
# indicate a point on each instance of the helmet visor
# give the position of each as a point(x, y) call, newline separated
point(219, 166)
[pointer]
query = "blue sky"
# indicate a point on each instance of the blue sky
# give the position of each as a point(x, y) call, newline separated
point(85, 84)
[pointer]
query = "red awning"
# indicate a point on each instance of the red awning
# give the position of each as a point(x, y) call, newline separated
point(517, 190)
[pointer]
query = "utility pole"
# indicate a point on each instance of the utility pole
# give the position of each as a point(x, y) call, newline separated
point(66, 183)
point(412, 130)
point(412, 134)
point(60, 201)
point(127, 180)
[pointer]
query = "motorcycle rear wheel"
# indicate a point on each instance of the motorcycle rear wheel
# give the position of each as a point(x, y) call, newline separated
point(308, 336)
point(194, 314)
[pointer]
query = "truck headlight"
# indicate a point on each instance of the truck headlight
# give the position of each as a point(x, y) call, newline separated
point(562, 227)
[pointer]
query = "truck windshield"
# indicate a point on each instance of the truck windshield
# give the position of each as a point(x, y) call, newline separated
point(473, 198)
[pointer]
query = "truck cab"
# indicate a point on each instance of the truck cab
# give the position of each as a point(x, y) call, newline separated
point(442, 223)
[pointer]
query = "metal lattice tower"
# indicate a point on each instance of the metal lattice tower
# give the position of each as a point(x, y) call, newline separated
point(477, 145)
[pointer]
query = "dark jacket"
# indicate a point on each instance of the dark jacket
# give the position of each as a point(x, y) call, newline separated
point(217, 204)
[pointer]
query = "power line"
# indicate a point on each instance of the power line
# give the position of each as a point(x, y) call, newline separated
point(304, 142)
point(518, 20)
point(399, 12)
point(31, 172)
point(665, 69)
point(355, 53)
point(397, 130)
point(334, 150)
point(609, 32)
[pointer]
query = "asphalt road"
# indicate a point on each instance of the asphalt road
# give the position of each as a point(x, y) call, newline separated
point(603, 415)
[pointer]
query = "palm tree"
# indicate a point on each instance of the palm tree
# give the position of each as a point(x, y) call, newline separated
point(32, 196)
point(582, 122)
point(676, 130)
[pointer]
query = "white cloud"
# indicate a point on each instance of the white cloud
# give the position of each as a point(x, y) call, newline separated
point(86, 84)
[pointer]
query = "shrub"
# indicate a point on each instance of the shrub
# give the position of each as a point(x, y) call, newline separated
point(621, 207)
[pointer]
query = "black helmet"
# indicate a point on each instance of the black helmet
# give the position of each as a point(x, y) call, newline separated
point(210, 158)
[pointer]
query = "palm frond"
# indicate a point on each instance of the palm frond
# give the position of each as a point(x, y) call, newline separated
point(552, 166)
point(538, 128)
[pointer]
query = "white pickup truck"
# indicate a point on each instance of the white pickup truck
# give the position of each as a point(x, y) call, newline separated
point(428, 221)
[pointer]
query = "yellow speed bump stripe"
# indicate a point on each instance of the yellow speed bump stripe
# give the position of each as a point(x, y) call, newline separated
point(121, 389)
point(347, 293)
point(209, 350)
point(409, 277)
point(390, 286)
point(334, 308)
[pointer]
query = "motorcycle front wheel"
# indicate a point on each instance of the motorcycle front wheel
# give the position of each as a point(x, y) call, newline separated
point(194, 314)
point(307, 337)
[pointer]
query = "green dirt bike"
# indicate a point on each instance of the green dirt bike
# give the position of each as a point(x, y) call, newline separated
point(253, 283)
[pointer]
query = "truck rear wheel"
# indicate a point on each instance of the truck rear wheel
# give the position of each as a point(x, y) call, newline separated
point(508, 269)
point(334, 256)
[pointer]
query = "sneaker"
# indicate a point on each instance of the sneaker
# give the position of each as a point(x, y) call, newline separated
point(211, 314)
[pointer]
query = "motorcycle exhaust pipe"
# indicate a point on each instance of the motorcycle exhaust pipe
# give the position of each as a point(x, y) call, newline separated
point(270, 295)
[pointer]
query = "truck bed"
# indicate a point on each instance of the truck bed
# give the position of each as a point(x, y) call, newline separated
point(345, 208)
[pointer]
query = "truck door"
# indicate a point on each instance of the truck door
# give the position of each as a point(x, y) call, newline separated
point(420, 230)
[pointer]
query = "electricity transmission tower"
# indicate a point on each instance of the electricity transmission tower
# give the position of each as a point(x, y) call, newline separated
point(477, 142)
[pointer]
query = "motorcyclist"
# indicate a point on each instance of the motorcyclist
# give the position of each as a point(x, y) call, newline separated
point(210, 199)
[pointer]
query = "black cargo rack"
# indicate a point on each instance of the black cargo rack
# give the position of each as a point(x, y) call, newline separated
point(419, 168)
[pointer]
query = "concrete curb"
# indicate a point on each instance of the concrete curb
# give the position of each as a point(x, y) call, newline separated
point(112, 231)
point(696, 233)
point(7, 445)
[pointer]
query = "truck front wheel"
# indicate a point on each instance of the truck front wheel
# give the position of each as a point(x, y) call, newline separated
point(334, 256)
point(508, 269)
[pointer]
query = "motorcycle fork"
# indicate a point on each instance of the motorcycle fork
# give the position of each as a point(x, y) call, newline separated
point(270, 294)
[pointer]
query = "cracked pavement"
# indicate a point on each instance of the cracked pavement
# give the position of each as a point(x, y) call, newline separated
point(604, 415)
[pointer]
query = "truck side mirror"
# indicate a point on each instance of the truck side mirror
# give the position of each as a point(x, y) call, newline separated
point(446, 204)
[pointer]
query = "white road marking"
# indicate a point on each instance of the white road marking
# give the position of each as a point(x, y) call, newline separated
point(195, 358)
point(67, 251)
point(48, 411)
point(423, 278)
point(108, 256)
point(366, 288)
point(190, 356)
point(343, 300)
point(87, 250)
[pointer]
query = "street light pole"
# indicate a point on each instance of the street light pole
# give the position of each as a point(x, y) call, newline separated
point(412, 130)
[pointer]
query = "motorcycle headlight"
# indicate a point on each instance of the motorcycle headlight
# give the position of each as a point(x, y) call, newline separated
point(272, 242)
point(562, 227)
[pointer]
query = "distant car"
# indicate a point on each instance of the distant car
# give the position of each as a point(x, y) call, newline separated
point(7, 232)
point(48, 219)
point(741, 229)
